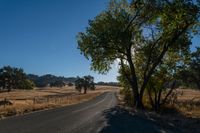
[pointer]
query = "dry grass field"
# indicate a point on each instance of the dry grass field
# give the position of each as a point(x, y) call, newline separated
point(188, 102)
point(19, 102)
point(186, 115)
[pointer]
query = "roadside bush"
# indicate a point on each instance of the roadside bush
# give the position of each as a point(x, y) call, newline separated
point(128, 96)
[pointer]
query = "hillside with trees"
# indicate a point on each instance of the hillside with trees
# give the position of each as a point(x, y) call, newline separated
point(50, 80)
point(16, 78)
point(107, 83)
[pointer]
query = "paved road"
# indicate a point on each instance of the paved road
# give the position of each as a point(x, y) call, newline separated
point(99, 115)
point(86, 117)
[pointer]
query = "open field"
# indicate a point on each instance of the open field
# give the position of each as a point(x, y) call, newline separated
point(188, 102)
point(183, 114)
point(186, 114)
point(189, 94)
point(30, 100)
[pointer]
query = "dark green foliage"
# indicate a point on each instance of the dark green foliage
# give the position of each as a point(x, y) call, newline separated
point(14, 78)
point(108, 83)
point(85, 83)
point(45, 80)
point(128, 96)
point(70, 84)
point(57, 84)
point(190, 75)
point(79, 83)
point(142, 35)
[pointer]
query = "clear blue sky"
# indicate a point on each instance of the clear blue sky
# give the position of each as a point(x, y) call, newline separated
point(40, 36)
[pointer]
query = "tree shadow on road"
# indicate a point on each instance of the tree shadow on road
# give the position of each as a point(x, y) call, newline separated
point(120, 120)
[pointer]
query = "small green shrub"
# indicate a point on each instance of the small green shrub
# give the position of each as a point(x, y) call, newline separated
point(128, 96)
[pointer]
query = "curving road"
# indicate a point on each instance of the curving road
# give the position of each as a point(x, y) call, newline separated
point(86, 117)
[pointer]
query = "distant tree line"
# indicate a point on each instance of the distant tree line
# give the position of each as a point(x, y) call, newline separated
point(108, 83)
point(58, 84)
point(16, 78)
point(51, 80)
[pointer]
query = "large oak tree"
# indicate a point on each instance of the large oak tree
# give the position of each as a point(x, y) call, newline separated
point(143, 29)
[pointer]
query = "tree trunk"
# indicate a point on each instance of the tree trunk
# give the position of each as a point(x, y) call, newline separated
point(139, 104)
point(135, 94)
point(198, 85)
point(134, 83)
point(150, 97)
point(197, 82)
point(85, 90)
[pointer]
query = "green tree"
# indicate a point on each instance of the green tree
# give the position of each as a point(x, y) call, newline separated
point(161, 86)
point(147, 29)
point(190, 74)
point(57, 83)
point(85, 83)
point(70, 84)
point(6, 77)
point(14, 78)
point(195, 67)
point(26, 84)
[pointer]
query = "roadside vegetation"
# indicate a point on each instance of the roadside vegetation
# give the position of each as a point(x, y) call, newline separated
point(151, 41)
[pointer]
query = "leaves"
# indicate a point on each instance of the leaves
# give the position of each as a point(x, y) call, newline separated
point(14, 78)
point(151, 37)
point(86, 82)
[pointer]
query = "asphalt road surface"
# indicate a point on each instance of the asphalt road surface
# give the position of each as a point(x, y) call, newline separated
point(100, 115)
point(86, 117)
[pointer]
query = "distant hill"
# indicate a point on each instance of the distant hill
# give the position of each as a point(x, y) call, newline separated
point(48, 79)
point(45, 80)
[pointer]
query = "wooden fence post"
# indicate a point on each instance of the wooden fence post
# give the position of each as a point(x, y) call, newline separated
point(34, 101)
point(67, 100)
point(4, 103)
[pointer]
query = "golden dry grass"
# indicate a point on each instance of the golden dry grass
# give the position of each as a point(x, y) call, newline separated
point(189, 102)
point(188, 94)
point(30, 100)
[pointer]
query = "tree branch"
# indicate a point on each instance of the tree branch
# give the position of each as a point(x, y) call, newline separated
point(160, 57)
point(171, 89)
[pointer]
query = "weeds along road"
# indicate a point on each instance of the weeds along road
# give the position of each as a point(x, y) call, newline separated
point(85, 117)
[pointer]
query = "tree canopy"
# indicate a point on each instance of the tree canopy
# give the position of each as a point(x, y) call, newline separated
point(14, 78)
point(190, 73)
point(85, 83)
point(142, 35)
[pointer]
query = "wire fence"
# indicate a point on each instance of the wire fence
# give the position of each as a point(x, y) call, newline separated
point(51, 99)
